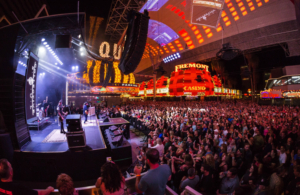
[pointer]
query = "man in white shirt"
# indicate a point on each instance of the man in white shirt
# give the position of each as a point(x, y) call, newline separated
point(282, 155)
point(159, 146)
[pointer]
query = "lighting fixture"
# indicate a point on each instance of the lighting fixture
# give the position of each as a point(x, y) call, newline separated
point(172, 57)
point(43, 39)
point(81, 53)
point(79, 36)
point(81, 48)
point(53, 53)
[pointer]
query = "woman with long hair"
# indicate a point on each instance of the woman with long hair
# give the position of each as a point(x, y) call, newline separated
point(111, 181)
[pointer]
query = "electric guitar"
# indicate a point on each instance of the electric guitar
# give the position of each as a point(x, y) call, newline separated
point(86, 112)
point(63, 116)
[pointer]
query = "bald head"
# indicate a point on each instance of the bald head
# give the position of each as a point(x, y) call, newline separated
point(5, 170)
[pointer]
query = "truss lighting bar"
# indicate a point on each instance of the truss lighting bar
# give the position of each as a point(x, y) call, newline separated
point(51, 51)
point(172, 57)
point(23, 64)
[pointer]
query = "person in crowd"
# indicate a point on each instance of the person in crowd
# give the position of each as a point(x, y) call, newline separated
point(229, 183)
point(65, 186)
point(155, 180)
point(191, 181)
point(159, 146)
point(111, 185)
point(276, 182)
point(10, 187)
point(294, 185)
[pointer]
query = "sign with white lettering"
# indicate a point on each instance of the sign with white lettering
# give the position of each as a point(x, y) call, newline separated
point(30, 87)
point(194, 88)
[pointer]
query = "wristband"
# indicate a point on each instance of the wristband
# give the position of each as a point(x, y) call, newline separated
point(138, 175)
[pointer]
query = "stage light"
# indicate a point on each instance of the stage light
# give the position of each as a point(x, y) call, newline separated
point(58, 68)
point(55, 63)
point(73, 67)
point(81, 48)
point(42, 50)
point(81, 54)
point(79, 36)
point(80, 43)
point(43, 39)
point(45, 43)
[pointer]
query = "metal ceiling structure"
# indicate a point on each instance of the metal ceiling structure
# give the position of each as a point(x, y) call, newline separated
point(117, 22)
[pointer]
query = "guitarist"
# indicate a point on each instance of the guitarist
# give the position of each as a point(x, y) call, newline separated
point(61, 116)
point(85, 111)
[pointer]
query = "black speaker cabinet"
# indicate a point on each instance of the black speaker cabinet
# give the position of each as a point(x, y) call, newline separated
point(63, 41)
point(76, 139)
point(73, 119)
point(74, 128)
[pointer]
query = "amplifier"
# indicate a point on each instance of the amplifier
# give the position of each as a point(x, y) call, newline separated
point(118, 140)
point(76, 139)
point(74, 128)
point(73, 119)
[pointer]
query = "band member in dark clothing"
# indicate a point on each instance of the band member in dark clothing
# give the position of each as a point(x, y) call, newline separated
point(85, 111)
point(61, 116)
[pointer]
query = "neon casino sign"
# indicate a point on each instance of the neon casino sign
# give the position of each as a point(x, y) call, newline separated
point(105, 53)
point(191, 65)
point(194, 88)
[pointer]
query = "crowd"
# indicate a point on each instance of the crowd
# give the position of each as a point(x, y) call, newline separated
point(215, 148)
point(223, 147)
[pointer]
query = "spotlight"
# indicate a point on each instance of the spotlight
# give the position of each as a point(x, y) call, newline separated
point(81, 53)
point(43, 39)
point(80, 43)
point(172, 57)
point(76, 67)
point(43, 73)
point(55, 63)
point(45, 43)
point(73, 67)
point(81, 48)
point(42, 50)
point(79, 36)
point(58, 68)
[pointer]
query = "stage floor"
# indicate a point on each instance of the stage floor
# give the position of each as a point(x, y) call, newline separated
point(94, 138)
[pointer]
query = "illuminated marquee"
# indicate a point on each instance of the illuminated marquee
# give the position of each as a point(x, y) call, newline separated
point(191, 65)
point(100, 89)
point(291, 94)
point(105, 53)
point(194, 88)
point(149, 91)
point(270, 94)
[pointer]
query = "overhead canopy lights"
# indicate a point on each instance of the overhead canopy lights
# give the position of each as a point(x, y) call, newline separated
point(172, 57)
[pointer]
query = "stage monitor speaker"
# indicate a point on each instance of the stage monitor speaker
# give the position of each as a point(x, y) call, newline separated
point(63, 41)
point(76, 139)
point(106, 120)
point(135, 42)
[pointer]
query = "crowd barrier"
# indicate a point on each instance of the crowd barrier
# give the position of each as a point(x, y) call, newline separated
point(129, 183)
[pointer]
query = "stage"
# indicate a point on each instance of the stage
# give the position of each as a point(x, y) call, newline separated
point(94, 139)
point(41, 160)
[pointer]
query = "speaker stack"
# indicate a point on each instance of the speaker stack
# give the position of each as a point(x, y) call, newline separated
point(75, 134)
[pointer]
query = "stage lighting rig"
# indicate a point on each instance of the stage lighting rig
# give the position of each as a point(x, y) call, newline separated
point(172, 57)
point(51, 51)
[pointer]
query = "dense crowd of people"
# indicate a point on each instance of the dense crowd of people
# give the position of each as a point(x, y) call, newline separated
point(216, 148)
point(222, 147)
